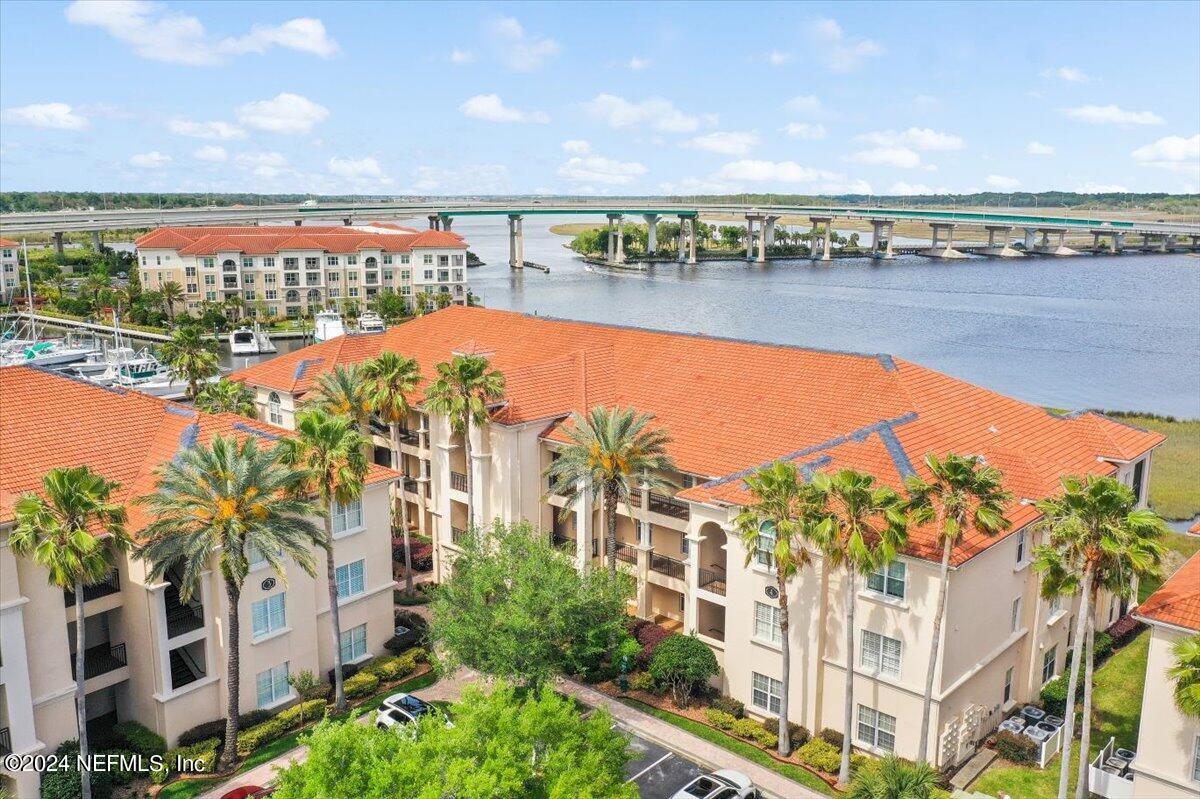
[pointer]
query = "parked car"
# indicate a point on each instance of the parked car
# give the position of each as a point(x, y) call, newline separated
point(402, 709)
point(248, 792)
point(722, 784)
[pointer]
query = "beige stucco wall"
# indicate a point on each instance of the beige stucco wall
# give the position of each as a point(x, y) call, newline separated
point(1166, 738)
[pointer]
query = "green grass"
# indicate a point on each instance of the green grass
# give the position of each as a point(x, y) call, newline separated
point(1175, 474)
point(741, 748)
point(1022, 782)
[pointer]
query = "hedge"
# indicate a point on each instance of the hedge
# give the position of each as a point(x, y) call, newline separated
point(753, 731)
point(831, 737)
point(1054, 696)
point(719, 718)
point(250, 739)
point(139, 739)
point(1016, 748)
point(821, 755)
point(729, 705)
point(797, 734)
point(202, 756)
point(360, 684)
point(216, 728)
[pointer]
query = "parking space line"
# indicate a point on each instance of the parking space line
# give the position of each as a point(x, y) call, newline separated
point(647, 768)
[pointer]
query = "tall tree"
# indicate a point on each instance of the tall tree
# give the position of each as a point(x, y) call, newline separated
point(332, 451)
point(391, 378)
point(192, 356)
point(224, 501)
point(73, 532)
point(170, 293)
point(1097, 536)
point(961, 493)
point(778, 523)
point(342, 391)
point(610, 449)
point(863, 529)
point(462, 391)
point(226, 396)
point(1185, 673)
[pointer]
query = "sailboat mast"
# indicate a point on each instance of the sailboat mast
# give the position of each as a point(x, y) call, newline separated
point(29, 291)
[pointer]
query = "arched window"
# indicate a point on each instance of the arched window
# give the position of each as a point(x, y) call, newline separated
point(292, 296)
point(274, 414)
point(370, 262)
point(229, 265)
point(314, 295)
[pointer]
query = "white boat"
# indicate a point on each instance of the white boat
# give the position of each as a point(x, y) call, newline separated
point(129, 367)
point(247, 341)
point(99, 362)
point(371, 322)
point(53, 352)
point(161, 385)
point(328, 325)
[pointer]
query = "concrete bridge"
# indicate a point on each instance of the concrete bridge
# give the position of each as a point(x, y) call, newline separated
point(1042, 233)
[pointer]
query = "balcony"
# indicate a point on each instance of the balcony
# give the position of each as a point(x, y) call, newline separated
point(458, 481)
point(411, 485)
point(635, 497)
point(410, 437)
point(229, 282)
point(182, 617)
point(457, 535)
point(713, 581)
point(5, 741)
point(100, 659)
point(666, 565)
point(627, 553)
point(561, 541)
point(669, 506)
point(109, 585)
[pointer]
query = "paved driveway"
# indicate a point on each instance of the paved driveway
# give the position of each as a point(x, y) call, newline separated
point(658, 772)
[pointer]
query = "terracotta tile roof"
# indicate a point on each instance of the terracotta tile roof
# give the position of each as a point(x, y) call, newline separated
point(1195, 528)
point(47, 421)
point(274, 239)
point(9, 243)
point(1177, 601)
point(731, 406)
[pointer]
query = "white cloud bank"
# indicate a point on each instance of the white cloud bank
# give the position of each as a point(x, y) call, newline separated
point(51, 116)
point(490, 108)
point(1112, 115)
point(284, 113)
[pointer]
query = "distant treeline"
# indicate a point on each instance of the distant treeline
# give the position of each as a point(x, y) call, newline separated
point(15, 201)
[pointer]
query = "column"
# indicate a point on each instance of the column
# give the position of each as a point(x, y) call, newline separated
point(1030, 239)
point(583, 529)
point(693, 223)
point(681, 256)
point(58, 243)
point(642, 572)
point(762, 241)
point(480, 466)
point(1118, 240)
point(771, 220)
point(447, 221)
point(612, 241)
point(691, 574)
point(346, 221)
point(876, 227)
point(620, 241)
point(298, 222)
point(16, 674)
point(890, 229)
point(651, 233)
point(812, 240)
point(434, 222)
point(749, 237)
point(516, 244)
point(1095, 241)
point(96, 243)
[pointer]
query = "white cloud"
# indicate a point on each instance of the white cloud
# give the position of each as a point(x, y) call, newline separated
point(518, 50)
point(264, 165)
point(577, 146)
point(471, 179)
point(56, 116)
point(637, 64)
point(899, 157)
point(490, 108)
point(916, 138)
point(1100, 188)
point(1003, 183)
point(804, 130)
point(1112, 115)
point(597, 169)
point(915, 188)
point(158, 34)
point(840, 53)
point(461, 56)
point(730, 142)
point(808, 104)
point(777, 58)
point(771, 171)
point(360, 169)
point(1037, 148)
point(151, 160)
point(285, 113)
point(205, 130)
point(1068, 74)
point(1171, 152)
point(654, 112)
point(212, 154)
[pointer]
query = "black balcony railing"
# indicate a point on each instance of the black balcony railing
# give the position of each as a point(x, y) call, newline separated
point(5, 741)
point(669, 506)
point(714, 581)
point(412, 486)
point(458, 481)
point(627, 553)
point(559, 540)
point(411, 437)
point(666, 565)
point(182, 617)
point(109, 585)
point(635, 497)
point(100, 659)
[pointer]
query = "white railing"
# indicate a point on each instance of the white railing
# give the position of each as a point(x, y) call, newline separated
point(1105, 783)
point(1049, 747)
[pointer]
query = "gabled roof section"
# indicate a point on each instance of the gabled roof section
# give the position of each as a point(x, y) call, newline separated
point(1177, 601)
point(206, 241)
point(9, 243)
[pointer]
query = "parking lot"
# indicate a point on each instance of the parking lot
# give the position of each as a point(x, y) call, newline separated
point(658, 772)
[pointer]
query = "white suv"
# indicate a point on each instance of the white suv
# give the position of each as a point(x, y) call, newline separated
point(723, 784)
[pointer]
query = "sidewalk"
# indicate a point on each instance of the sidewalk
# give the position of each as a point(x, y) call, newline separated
point(772, 784)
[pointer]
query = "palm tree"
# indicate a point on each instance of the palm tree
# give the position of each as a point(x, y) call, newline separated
point(962, 493)
point(170, 293)
point(74, 533)
point(226, 500)
point(893, 778)
point(610, 448)
point(234, 306)
point(783, 510)
point(191, 356)
point(461, 392)
point(226, 396)
point(1186, 675)
point(863, 529)
point(342, 391)
point(391, 378)
point(332, 450)
point(1097, 536)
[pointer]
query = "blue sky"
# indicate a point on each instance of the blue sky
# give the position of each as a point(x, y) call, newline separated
point(612, 98)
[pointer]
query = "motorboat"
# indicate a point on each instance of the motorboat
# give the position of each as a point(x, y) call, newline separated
point(128, 369)
point(371, 322)
point(328, 326)
point(247, 341)
point(54, 352)
point(100, 362)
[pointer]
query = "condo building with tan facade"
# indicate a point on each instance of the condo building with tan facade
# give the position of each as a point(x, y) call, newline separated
point(731, 407)
point(150, 656)
point(9, 266)
point(295, 271)
point(1167, 765)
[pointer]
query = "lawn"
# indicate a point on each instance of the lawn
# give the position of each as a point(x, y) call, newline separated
point(741, 748)
point(1175, 474)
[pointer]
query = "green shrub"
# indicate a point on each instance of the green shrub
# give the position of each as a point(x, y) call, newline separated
point(199, 758)
point(797, 734)
point(719, 718)
point(390, 667)
point(626, 651)
point(139, 739)
point(119, 775)
point(858, 761)
point(1016, 748)
point(301, 713)
point(683, 663)
point(753, 731)
point(250, 739)
point(1054, 696)
point(831, 737)
point(821, 755)
point(730, 705)
point(1102, 646)
point(642, 681)
point(361, 684)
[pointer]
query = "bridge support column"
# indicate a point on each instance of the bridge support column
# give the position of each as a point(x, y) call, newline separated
point(58, 243)
point(651, 233)
point(97, 244)
point(880, 228)
point(616, 243)
point(693, 223)
point(447, 221)
point(1058, 249)
point(1001, 250)
point(825, 238)
point(750, 236)
point(435, 222)
point(943, 249)
point(1030, 239)
point(763, 241)
point(1118, 245)
point(516, 242)
point(1195, 242)
point(298, 222)
point(681, 241)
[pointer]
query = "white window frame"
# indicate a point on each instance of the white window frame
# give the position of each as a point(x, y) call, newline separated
point(1022, 547)
point(346, 519)
point(888, 576)
point(352, 577)
point(1196, 759)
point(274, 410)
point(275, 682)
point(766, 623)
point(770, 689)
point(1008, 687)
point(354, 644)
point(764, 554)
point(1015, 615)
point(881, 653)
point(876, 724)
point(1050, 661)
point(272, 610)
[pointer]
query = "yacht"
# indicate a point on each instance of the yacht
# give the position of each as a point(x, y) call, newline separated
point(371, 322)
point(125, 364)
point(53, 352)
point(247, 341)
point(328, 325)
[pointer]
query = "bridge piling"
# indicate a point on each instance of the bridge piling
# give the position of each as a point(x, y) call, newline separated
point(58, 242)
point(945, 250)
point(878, 226)
point(516, 242)
point(97, 244)
point(651, 233)
point(1002, 250)
point(826, 248)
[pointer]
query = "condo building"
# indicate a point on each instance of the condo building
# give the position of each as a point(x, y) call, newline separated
point(9, 279)
point(1167, 765)
point(150, 656)
point(731, 407)
point(295, 271)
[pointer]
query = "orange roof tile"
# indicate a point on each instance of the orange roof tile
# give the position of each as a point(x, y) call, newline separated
point(1177, 601)
point(48, 421)
point(9, 243)
point(274, 239)
point(731, 406)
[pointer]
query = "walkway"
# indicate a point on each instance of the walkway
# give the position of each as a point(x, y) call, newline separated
point(772, 784)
